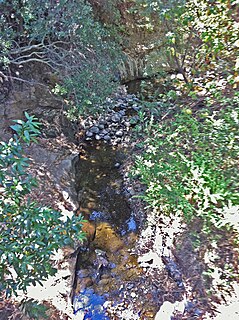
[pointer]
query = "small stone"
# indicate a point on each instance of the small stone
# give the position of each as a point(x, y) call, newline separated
point(115, 118)
point(51, 134)
point(101, 126)
point(94, 130)
point(197, 313)
point(119, 133)
point(135, 107)
point(127, 124)
point(97, 137)
point(106, 304)
point(107, 137)
point(89, 134)
point(133, 294)
point(123, 106)
point(89, 123)
point(118, 140)
point(149, 315)
point(130, 286)
point(122, 112)
point(104, 132)
point(130, 100)
point(78, 305)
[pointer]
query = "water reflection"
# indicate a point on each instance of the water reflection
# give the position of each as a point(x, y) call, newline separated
point(89, 306)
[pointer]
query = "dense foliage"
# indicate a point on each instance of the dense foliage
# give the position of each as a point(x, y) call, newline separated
point(190, 159)
point(62, 37)
point(29, 234)
point(190, 164)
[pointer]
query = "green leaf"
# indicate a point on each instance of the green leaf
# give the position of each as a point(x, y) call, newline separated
point(27, 116)
point(27, 135)
point(16, 127)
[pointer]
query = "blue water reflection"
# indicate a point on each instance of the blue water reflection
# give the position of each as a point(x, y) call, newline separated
point(89, 306)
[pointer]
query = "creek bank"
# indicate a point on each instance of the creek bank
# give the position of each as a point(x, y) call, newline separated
point(52, 163)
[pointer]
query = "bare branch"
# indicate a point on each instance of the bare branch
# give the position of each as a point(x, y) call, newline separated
point(40, 55)
point(27, 81)
point(35, 60)
point(21, 50)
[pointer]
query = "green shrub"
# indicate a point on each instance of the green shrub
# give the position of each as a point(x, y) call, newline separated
point(190, 164)
point(30, 234)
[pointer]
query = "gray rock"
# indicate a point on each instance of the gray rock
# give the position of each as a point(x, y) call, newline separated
point(89, 134)
point(127, 124)
point(97, 137)
point(122, 112)
point(135, 107)
point(117, 140)
point(104, 132)
point(94, 129)
point(103, 282)
point(89, 123)
point(122, 105)
point(107, 137)
point(101, 126)
point(119, 133)
point(51, 133)
point(116, 118)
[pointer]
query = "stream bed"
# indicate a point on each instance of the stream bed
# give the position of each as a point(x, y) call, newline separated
point(108, 274)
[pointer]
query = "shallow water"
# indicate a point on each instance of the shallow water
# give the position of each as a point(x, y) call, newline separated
point(105, 262)
point(100, 186)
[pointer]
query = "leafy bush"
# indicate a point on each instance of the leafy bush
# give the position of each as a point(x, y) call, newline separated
point(33, 309)
point(30, 234)
point(190, 164)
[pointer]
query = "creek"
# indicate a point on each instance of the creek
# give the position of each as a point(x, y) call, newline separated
point(111, 280)
point(106, 265)
point(110, 283)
